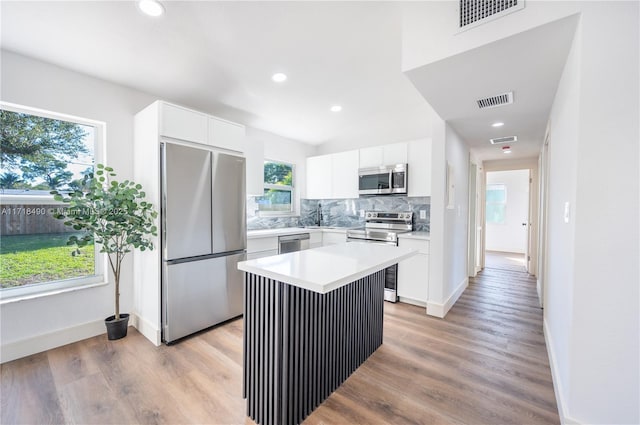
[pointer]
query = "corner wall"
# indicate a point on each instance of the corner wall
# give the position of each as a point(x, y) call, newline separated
point(448, 253)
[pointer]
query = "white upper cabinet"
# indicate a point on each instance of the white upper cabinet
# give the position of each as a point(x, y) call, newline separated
point(254, 153)
point(371, 157)
point(344, 166)
point(333, 176)
point(184, 124)
point(226, 135)
point(319, 179)
point(419, 173)
point(383, 155)
point(394, 154)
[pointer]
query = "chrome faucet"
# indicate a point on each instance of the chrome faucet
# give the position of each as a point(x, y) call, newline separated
point(319, 215)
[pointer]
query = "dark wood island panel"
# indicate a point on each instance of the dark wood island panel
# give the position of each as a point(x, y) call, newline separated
point(301, 345)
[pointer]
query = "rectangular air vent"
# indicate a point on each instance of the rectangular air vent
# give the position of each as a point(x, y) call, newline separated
point(500, 140)
point(493, 101)
point(475, 12)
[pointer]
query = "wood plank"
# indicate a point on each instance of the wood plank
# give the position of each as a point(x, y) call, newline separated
point(486, 362)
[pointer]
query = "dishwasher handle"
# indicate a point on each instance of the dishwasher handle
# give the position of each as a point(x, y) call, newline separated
point(297, 237)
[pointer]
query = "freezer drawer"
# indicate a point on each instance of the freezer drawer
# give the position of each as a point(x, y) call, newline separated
point(200, 294)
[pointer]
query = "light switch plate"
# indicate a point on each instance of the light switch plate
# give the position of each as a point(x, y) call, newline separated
point(423, 214)
point(567, 211)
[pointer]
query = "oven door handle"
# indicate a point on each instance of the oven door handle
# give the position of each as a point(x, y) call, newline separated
point(371, 241)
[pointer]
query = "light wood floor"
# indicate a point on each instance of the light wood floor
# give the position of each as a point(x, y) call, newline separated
point(486, 363)
point(504, 260)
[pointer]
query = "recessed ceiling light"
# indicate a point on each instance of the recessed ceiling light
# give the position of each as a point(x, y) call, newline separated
point(151, 7)
point(497, 124)
point(336, 108)
point(279, 77)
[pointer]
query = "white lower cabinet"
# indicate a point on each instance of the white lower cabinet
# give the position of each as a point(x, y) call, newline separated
point(413, 273)
point(260, 254)
point(332, 238)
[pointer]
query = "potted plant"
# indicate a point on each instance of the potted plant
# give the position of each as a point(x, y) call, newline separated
point(114, 215)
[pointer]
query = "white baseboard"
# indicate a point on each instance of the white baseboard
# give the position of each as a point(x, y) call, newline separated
point(565, 419)
point(412, 301)
point(441, 310)
point(44, 342)
point(147, 329)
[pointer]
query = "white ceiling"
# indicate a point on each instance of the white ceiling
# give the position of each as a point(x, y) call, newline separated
point(219, 57)
point(530, 64)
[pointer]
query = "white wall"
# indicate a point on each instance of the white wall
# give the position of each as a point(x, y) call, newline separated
point(510, 236)
point(448, 254)
point(591, 307)
point(37, 324)
point(287, 150)
point(429, 30)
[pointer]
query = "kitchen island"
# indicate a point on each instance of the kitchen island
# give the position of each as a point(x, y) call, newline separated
point(310, 319)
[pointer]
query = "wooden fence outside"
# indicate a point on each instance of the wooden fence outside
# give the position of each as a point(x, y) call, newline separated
point(22, 219)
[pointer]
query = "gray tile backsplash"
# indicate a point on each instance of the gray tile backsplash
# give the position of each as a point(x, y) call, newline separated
point(342, 212)
point(346, 212)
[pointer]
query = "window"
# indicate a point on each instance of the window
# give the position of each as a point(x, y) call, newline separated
point(40, 152)
point(496, 203)
point(278, 189)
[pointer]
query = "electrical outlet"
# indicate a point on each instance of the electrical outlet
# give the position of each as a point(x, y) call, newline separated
point(423, 214)
point(362, 213)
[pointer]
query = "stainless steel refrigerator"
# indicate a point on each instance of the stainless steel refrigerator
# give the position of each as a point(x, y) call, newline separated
point(203, 238)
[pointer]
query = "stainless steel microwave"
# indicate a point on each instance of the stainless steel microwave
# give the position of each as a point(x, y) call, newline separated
point(385, 180)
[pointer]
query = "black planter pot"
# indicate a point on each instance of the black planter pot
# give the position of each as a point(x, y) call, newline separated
point(117, 329)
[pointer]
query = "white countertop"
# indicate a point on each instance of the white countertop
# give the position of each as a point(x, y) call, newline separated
point(426, 236)
point(265, 233)
point(327, 268)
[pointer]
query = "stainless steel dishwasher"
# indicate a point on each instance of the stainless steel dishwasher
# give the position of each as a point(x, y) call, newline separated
point(292, 243)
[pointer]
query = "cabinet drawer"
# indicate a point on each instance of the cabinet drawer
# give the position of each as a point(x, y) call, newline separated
point(262, 244)
point(421, 245)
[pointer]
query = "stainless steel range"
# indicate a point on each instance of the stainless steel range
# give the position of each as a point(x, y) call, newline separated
point(384, 227)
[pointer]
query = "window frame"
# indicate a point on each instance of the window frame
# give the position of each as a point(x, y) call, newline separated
point(503, 202)
point(291, 189)
point(100, 276)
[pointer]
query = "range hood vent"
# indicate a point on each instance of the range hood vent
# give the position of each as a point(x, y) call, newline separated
point(501, 140)
point(497, 100)
point(476, 12)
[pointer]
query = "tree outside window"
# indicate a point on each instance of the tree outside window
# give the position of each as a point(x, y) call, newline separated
point(278, 189)
point(40, 153)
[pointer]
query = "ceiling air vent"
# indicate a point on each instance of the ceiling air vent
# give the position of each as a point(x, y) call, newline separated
point(493, 101)
point(475, 12)
point(500, 140)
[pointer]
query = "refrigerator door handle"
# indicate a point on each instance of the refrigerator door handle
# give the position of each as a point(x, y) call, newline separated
point(204, 257)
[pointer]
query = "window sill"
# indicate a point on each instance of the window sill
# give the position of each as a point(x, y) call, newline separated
point(48, 293)
point(277, 214)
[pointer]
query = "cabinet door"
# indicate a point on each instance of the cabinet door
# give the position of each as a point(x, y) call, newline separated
point(394, 154)
point(332, 238)
point(184, 124)
point(319, 179)
point(419, 156)
point(371, 157)
point(226, 135)
point(344, 175)
point(254, 152)
point(413, 279)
